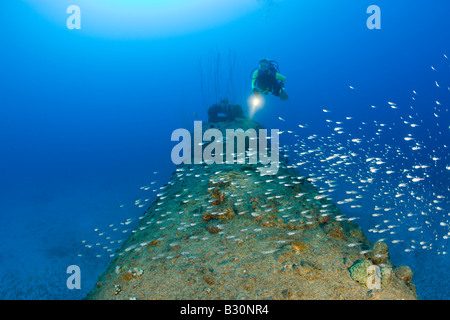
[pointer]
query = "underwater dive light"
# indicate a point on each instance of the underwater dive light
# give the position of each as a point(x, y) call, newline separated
point(255, 102)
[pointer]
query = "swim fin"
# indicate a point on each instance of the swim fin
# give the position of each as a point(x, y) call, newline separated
point(283, 95)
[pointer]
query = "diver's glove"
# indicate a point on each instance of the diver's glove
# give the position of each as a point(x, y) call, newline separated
point(256, 91)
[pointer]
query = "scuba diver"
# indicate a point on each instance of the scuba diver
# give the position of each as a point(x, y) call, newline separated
point(266, 78)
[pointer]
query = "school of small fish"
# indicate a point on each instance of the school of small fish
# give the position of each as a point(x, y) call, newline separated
point(392, 175)
point(401, 187)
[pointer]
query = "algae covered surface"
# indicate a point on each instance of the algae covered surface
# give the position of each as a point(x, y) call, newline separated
point(227, 232)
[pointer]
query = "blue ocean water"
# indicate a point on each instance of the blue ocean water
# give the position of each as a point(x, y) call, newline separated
point(86, 117)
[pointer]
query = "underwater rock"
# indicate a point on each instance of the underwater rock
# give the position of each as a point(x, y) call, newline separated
point(358, 234)
point(404, 273)
point(358, 271)
point(380, 253)
point(386, 276)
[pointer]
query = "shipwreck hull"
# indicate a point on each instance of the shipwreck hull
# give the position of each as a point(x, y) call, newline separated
point(227, 232)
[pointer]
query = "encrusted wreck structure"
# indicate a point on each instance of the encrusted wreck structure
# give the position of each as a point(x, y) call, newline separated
point(227, 232)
